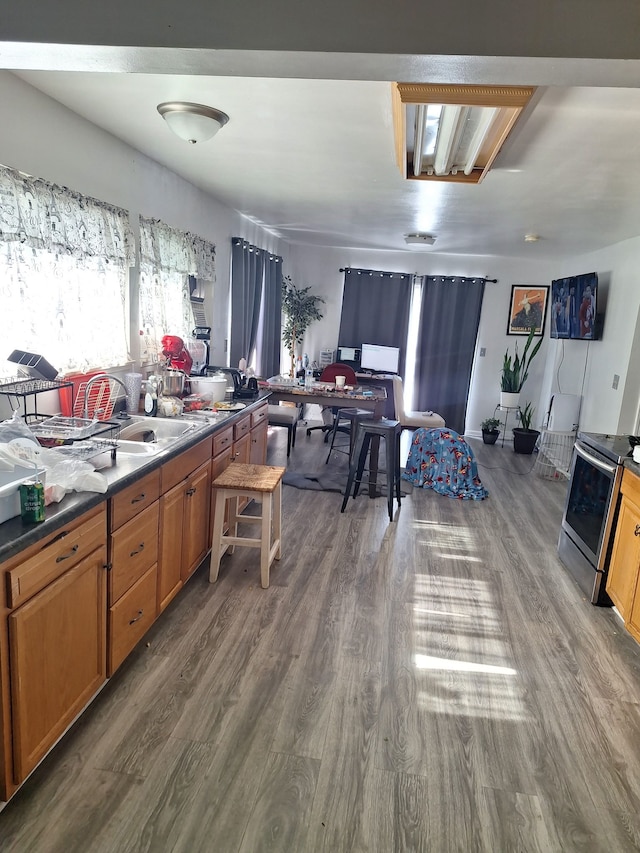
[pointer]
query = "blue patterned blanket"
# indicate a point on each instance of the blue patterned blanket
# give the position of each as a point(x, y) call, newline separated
point(441, 460)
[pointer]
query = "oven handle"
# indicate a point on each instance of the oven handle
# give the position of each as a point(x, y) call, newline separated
point(600, 464)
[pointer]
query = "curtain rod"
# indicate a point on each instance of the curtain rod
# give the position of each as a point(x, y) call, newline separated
point(402, 275)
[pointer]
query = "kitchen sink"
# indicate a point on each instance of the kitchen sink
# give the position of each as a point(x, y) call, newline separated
point(151, 430)
point(139, 448)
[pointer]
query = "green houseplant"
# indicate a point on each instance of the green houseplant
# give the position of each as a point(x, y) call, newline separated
point(300, 309)
point(525, 438)
point(516, 369)
point(490, 431)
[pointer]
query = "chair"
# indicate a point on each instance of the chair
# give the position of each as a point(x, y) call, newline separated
point(261, 482)
point(329, 374)
point(286, 416)
point(412, 420)
point(368, 437)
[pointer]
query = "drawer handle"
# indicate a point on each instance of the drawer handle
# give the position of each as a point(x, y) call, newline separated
point(60, 536)
point(140, 497)
point(66, 556)
point(191, 491)
point(636, 532)
point(136, 618)
point(140, 548)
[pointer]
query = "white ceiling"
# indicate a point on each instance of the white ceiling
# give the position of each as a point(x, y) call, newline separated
point(313, 161)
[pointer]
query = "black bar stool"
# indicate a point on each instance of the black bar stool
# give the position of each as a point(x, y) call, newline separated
point(368, 435)
point(354, 416)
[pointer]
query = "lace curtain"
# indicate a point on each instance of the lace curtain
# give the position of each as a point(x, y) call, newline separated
point(64, 262)
point(167, 258)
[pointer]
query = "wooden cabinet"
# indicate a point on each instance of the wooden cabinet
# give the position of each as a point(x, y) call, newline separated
point(133, 555)
point(623, 580)
point(57, 637)
point(259, 427)
point(184, 520)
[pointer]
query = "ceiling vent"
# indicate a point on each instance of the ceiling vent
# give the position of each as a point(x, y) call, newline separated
point(419, 239)
point(453, 133)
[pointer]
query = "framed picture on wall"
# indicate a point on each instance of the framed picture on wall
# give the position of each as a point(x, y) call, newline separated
point(528, 308)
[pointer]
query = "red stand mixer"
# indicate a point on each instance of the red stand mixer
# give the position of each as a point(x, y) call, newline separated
point(177, 355)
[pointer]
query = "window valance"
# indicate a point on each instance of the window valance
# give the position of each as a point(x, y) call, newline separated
point(45, 216)
point(165, 248)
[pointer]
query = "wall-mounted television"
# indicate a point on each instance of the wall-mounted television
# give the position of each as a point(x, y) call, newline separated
point(574, 308)
point(379, 359)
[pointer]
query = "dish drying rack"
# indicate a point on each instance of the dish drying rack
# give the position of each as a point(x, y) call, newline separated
point(80, 435)
point(19, 388)
point(100, 401)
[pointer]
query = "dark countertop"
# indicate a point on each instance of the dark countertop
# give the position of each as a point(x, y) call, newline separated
point(15, 535)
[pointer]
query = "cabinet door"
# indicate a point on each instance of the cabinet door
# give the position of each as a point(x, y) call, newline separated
point(625, 558)
point(170, 553)
point(196, 519)
point(258, 452)
point(57, 657)
point(242, 448)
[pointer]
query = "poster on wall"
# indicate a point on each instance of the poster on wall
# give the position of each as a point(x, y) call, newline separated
point(528, 308)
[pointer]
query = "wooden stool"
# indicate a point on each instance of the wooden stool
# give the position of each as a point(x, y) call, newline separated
point(369, 434)
point(242, 480)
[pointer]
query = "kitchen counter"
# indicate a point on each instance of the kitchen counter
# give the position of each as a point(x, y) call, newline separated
point(15, 535)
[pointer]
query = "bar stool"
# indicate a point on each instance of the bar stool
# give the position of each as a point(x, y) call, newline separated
point(354, 416)
point(260, 482)
point(367, 440)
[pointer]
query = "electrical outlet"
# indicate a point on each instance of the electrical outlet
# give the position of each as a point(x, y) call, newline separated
point(483, 351)
point(616, 379)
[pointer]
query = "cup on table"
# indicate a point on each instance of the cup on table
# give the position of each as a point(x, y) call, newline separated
point(340, 382)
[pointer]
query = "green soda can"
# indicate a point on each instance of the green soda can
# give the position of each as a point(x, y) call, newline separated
point(32, 502)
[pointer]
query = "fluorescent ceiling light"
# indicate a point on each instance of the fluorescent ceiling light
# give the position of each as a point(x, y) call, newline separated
point(192, 122)
point(453, 133)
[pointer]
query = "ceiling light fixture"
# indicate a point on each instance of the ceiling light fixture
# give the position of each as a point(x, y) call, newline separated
point(453, 133)
point(192, 122)
point(420, 239)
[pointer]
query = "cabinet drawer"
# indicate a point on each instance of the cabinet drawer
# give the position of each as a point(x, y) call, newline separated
point(132, 500)
point(59, 552)
point(134, 548)
point(178, 469)
point(131, 618)
point(259, 415)
point(242, 427)
point(222, 440)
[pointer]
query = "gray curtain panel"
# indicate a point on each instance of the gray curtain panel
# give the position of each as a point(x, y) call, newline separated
point(247, 270)
point(270, 330)
point(375, 310)
point(449, 322)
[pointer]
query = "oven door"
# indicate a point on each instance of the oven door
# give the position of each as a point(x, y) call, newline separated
point(592, 503)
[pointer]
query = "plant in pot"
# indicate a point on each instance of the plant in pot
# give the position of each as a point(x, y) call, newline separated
point(300, 309)
point(525, 438)
point(515, 371)
point(490, 431)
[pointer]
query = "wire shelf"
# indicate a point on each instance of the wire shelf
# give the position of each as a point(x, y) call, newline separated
point(88, 449)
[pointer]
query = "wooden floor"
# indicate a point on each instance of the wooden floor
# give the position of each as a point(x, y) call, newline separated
point(434, 684)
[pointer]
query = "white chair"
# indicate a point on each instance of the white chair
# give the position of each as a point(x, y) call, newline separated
point(412, 420)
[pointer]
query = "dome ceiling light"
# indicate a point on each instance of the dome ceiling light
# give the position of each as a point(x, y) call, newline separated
point(192, 122)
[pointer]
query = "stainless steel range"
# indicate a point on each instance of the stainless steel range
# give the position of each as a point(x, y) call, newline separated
point(591, 509)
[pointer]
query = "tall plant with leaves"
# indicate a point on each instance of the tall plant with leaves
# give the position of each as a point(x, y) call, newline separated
point(300, 309)
point(515, 370)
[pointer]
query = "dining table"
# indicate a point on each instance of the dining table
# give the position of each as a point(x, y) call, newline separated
point(371, 397)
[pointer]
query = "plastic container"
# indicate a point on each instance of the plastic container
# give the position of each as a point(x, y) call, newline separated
point(10, 490)
point(212, 388)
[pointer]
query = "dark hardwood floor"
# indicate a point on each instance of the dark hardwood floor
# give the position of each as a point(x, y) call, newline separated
point(434, 684)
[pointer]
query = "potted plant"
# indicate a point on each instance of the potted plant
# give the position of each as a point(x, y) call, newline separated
point(300, 308)
point(515, 371)
point(525, 438)
point(490, 431)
